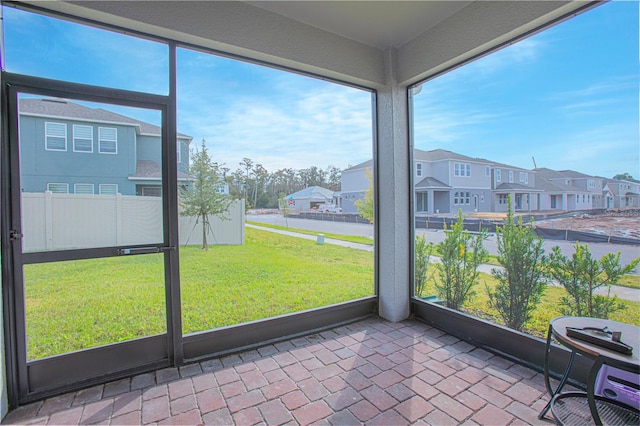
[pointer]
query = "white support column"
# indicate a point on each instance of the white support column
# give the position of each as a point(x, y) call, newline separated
point(393, 196)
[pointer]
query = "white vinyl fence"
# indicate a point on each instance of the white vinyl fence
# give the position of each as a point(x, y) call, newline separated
point(70, 221)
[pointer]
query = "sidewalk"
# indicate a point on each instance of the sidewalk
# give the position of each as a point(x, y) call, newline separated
point(624, 293)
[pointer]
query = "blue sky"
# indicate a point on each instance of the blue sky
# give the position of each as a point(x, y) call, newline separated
point(567, 97)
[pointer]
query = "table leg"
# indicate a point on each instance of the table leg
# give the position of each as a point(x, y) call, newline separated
point(547, 378)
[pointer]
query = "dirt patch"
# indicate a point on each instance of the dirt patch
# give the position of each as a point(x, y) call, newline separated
point(615, 223)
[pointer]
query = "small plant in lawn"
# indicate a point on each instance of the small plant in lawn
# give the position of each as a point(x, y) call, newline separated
point(581, 275)
point(423, 252)
point(521, 280)
point(460, 254)
point(202, 198)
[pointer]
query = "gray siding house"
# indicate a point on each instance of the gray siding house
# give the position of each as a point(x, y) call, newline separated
point(518, 183)
point(446, 182)
point(66, 147)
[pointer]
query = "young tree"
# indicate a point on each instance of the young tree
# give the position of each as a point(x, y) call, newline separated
point(365, 205)
point(460, 255)
point(522, 280)
point(582, 275)
point(202, 198)
point(423, 252)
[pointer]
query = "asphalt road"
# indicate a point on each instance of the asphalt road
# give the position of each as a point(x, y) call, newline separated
point(627, 252)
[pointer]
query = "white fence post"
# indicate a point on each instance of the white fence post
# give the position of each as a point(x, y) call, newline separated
point(118, 219)
point(48, 220)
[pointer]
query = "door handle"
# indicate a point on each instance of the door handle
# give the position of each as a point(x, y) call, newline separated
point(143, 250)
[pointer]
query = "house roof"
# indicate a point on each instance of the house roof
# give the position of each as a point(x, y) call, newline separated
point(431, 183)
point(515, 187)
point(363, 165)
point(150, 170)
point(62, 108)
point(312, 193)
point(443, 154)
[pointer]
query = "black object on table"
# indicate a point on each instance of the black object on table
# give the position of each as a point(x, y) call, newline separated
point(610, 344)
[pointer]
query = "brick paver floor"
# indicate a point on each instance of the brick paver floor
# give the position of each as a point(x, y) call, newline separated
point(370, 372)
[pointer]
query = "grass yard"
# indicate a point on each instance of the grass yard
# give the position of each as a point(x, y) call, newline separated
point(350, 238)
point(82, 304)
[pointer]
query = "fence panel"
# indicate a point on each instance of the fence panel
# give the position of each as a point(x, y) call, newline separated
point(72, 221)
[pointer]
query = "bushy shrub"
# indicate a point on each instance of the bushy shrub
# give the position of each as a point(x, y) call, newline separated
point(522, 279)
point(461, 253)
point(423, 252)
point(581, 275)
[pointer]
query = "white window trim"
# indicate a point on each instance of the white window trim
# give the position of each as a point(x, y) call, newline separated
point(102, 185)
point(498, 175)
point(510, 176)
point(76, 185)
point(84, 139)
point(46, 136)
point(419, 169)
point(487, 171)
point(462, 169)
point(100, 139)
point(66, 185)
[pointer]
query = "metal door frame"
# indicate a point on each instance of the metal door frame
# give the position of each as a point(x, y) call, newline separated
point(32, 380)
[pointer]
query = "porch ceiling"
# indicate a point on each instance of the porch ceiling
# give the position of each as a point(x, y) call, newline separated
point(379, 24)
point(352, 41)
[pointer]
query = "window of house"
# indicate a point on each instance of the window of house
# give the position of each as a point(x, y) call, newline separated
point(523, 177)
point(83, 188)
point(502, 198)
point(82, 138)
point(108, 140)
point(55, 136)
point(461, 169)
point(455, 198)
point(421, 204)
point(419, 169)
point(510, 176)
point(487, 171)
point(58, 188)
point(152, 191)
point(498, 175)
point(108, 189)
point(467, 198)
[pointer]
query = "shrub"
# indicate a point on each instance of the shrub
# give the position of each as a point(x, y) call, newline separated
point(423, 252)
point(461, 254)
point(522, 279)
point(582, 275)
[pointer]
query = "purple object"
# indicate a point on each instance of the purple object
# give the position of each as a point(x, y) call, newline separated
point(620, 385)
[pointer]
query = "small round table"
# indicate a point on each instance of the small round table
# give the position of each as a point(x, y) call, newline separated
point(558, 329)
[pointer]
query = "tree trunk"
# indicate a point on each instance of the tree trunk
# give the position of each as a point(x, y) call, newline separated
point(205, 224)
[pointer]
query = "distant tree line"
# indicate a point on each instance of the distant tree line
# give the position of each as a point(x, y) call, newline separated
point(260, 188)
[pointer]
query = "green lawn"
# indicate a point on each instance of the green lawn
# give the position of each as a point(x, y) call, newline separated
point(350, 238)
point(82, 304)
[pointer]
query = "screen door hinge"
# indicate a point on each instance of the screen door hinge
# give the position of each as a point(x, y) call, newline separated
point(14, 235)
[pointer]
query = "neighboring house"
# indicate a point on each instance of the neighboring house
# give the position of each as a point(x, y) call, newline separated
point(621, 193)
point(520, 184)
point(445, 182)
point(66, 147)
point(308, 198)
point(354, 183)
point(568, 190)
